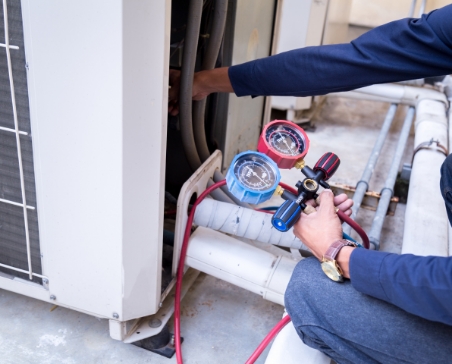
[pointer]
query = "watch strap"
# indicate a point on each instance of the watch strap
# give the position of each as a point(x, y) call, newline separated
point(335, 248)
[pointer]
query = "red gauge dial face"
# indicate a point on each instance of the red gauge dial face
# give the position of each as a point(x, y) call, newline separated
point(284, 142)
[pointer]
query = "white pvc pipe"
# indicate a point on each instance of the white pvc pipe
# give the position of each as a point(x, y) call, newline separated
point(240, 264)
point(394, 93)
point(426, 223)
point(289, 349)
point(243, 222)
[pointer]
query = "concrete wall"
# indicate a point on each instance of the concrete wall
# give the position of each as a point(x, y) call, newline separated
point(373, 13)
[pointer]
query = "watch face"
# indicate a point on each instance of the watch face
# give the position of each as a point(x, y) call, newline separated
point(330, 269)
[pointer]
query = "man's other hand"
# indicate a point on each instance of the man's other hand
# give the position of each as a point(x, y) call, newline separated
point(323, 227)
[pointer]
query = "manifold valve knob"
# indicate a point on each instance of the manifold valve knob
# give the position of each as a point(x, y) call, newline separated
point(328, 164)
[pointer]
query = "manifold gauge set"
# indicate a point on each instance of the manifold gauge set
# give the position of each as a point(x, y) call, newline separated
point(253, 177)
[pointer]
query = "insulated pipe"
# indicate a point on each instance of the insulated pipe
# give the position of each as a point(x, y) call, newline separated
point(363, 184)
point(394, 93)
point(426, 223)
point(210, 58)
point(240, 264)
point(387, 191)
point(186, 82)
point(243, 222)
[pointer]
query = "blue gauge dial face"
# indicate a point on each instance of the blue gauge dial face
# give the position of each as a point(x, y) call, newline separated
point(254, 172)
point(285, 140)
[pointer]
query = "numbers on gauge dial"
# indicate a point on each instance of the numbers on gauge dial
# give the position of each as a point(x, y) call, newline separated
point(254, 173)
point(285, 140)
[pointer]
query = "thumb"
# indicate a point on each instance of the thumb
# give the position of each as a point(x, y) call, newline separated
point(327, 202)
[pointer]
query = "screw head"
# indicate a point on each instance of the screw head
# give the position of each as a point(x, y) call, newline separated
point(45, 280)
point(115, 315)
point(53, 297)
point(154, 323)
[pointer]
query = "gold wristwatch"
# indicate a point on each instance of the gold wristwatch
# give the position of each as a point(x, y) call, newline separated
point(329, 264)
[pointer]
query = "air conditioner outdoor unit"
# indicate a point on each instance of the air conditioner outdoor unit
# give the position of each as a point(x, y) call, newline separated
point(82, 153)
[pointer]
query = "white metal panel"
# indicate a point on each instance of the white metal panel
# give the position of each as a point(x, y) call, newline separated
point(146, 39)
point(252, 40)
point(97, 77)
point(300, 25)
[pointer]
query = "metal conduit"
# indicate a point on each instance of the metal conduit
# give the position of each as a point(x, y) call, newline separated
point(387, 191)
point(412, 7)
point(422, 8)
point(363, 184)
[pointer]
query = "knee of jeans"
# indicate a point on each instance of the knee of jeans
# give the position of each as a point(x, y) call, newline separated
point(446, 181)
point(300, 287)
point(446, 168)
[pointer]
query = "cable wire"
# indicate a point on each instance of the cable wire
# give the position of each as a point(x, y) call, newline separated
point(279, 326)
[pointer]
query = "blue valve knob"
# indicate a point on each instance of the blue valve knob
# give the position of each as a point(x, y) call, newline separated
point(286, 216)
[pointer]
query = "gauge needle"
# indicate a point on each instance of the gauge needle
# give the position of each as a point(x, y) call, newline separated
point(284, 140)
point(256, 175)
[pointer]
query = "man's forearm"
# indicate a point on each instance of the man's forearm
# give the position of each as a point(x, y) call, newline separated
point(401, 50)
point(419, 285)
point(343, 259)
point(207, 82)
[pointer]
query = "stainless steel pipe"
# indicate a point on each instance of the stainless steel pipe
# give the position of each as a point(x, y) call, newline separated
point(387, 191)
point(363, 184)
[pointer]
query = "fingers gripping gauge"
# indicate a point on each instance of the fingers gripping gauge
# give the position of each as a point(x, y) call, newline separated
point(284, 142)
point(252, 177)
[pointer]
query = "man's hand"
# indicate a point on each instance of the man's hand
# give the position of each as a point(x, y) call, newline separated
point(323, 227)
point(204, 83)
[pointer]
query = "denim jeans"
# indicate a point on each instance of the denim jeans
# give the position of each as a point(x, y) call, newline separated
point(351, 327)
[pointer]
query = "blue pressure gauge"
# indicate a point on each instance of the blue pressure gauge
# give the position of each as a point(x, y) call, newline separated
point(252, 177)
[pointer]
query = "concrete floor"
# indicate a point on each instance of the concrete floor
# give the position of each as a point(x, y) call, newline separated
point(221, 323)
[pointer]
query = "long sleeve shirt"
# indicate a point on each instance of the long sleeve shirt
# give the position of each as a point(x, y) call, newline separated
point(401, 50)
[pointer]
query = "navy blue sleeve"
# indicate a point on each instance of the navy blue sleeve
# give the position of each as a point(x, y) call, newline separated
point(419, 285)
point(401, 50)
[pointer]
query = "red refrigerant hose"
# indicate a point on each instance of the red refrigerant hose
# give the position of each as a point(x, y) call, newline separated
point(180, 269)
point(180, 273)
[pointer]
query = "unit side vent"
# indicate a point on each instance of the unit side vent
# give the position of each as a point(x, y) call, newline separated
point(19, 236)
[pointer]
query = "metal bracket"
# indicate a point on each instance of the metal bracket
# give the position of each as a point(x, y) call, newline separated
point(429, 145)
point(370, 200)
point(196, 184)
point(145, 327)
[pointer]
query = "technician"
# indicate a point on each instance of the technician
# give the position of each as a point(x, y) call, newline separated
point(392, 308)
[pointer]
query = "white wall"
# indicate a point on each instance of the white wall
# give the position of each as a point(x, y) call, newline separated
point(374, 13)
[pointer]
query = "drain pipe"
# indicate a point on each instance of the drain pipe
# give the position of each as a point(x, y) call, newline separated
point(363, 184)
point(243, 222)
point(426, 223)
point(387, 191)
point(393, 93)
point(240, 264)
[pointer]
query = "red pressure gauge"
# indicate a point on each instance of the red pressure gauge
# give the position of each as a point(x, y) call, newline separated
point(284, 142)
